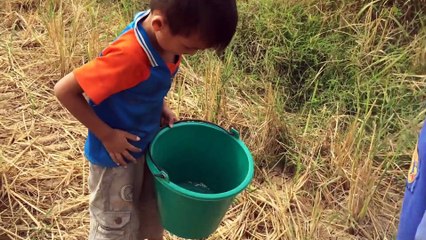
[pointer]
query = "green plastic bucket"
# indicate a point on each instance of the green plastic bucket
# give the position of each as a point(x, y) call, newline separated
point(199, 168)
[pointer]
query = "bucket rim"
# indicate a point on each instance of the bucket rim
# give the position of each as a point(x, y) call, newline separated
point(196, 195)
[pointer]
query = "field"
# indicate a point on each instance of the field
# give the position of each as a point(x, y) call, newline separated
point(328, 95)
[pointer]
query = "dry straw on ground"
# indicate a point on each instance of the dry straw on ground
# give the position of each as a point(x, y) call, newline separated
point(340, 194)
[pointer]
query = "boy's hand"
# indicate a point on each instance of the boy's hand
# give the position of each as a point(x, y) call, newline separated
point(118, 146)
point(168, 117)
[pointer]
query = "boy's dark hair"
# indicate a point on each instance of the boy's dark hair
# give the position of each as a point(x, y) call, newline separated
point(214, 20)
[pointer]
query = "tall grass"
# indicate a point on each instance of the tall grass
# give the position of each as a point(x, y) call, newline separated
point(345, 111)
point(328, 95)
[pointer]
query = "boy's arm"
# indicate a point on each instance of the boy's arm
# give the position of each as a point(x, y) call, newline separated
point(69, 93)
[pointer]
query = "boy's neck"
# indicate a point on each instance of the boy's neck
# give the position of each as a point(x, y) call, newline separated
point(167, 56)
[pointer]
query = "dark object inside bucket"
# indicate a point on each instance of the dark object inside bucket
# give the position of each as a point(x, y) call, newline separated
point(196, 187)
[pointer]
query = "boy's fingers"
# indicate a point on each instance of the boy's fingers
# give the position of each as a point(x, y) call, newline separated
point(172, 121)
point(132, 137)
point(120, 160)
point(132, 148)
point(129, 157)
point(112, 155)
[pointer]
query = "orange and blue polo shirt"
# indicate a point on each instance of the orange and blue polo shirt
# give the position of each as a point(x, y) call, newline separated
point(126, 85)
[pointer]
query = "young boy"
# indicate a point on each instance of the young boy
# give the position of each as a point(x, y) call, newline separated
point(412, 223)
point(126, 86)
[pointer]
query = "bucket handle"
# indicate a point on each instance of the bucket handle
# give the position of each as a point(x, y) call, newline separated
point(161, 172)
point(232, 131)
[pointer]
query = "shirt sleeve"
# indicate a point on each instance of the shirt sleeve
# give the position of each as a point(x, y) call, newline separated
point(120, 67)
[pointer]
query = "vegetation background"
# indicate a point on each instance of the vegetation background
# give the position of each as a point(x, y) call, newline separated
point(328, 95)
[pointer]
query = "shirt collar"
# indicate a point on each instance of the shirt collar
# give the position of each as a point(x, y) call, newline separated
point(143, 39)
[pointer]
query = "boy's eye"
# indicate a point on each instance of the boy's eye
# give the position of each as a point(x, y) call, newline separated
point(187, 47)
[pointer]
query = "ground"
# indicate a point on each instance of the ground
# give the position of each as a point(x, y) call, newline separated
point(332, 149)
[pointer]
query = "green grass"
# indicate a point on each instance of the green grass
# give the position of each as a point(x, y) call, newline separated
point(346, 100)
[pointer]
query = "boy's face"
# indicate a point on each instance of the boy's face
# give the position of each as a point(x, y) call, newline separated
point(178, 44)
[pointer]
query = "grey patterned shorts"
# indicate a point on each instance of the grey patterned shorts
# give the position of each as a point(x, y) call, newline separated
point(123, 204)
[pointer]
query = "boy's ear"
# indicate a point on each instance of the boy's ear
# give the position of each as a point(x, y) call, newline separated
point(158, 23)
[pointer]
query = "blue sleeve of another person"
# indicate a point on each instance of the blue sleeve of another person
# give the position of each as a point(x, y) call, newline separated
point(413, 219)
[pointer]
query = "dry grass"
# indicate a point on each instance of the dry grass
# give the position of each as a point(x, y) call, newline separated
point(333, 188)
